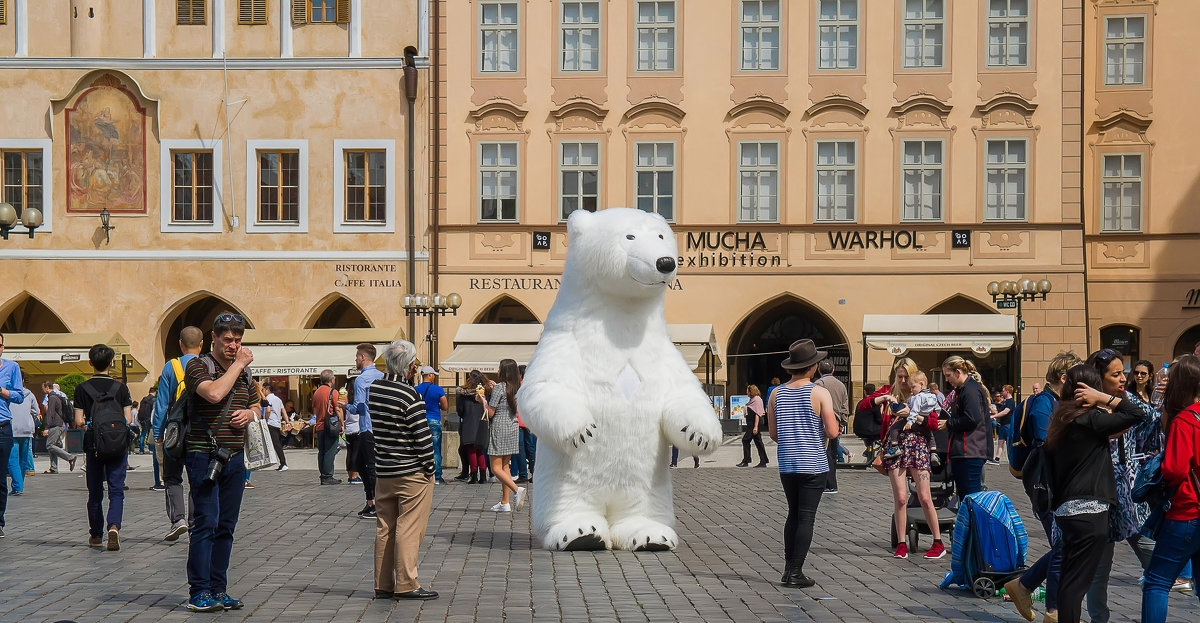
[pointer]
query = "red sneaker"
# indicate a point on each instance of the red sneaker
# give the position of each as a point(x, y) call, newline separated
point(937, 551)
point(901, 551)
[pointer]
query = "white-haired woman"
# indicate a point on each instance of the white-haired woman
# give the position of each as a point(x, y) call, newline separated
point(404, 466)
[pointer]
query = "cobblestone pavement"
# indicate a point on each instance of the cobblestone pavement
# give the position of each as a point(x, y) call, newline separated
point(300, 555)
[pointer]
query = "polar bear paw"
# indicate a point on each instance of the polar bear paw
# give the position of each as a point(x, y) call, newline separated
point(578, 535)
point(695, 440)
point(640, 534)
point(583, 435)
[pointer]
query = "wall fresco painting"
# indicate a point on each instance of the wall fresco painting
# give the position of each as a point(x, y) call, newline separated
point(106, 150)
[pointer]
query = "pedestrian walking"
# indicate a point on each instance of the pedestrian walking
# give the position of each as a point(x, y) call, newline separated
point(325, 409)
point(55, 408)
point(24, 423)
point(11, 392)
point(223, 403)
point(350, 435)
point(801, 420)
point(1003, 420)
point(276, 415)
point(841, 410)
point(968, 425)
point(1082, 484)
point(404, 459)
point(525, 459)
point(145, 421)
point(171, 384)
point(755, 410)
point(504, 442)
point(364, 358)
point(435, 404)
point(473, 428)
point(104, 405)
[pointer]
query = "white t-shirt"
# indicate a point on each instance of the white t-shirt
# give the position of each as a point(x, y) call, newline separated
point(276, 407)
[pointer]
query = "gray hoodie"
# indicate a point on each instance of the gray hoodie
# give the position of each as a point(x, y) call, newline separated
point(23, 424)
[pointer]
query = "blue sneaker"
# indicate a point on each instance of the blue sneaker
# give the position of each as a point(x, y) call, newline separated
point(204, 602)
point(227, 602)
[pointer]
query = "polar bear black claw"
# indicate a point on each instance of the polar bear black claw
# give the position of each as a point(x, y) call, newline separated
point(585, 543)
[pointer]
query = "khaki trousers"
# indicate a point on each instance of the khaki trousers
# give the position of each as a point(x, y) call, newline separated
point(402, 513)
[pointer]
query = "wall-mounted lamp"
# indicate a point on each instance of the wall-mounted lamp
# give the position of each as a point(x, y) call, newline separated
point(105, 218)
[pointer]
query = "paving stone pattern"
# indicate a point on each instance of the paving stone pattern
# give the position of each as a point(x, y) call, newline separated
point(301, 555)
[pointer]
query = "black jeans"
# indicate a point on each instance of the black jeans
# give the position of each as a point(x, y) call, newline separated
point(365, 466)
point(6, 444)
point(277, 441)
point(758, 443)
point(968, 476)
point(1047, 568)
point(1084, 539)
point(803, 492)
point(831, 446)
point(326, 451)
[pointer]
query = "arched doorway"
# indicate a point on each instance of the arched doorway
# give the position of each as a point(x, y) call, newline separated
point(960, 304)
point(506, 310)
point(1187, 343)
point(337, 312)
point(200, 312)
point(760, 342)
point(29, 315)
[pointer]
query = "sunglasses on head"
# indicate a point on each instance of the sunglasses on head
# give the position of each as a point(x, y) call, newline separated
point(228, 318)
point(1107, 355)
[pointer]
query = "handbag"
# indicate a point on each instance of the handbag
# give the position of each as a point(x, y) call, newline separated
point(260, 452)
point(877, 463)
point(333, 423)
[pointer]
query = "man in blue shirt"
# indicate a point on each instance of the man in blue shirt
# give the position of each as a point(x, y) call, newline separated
point(435, 403)
point(10, 392)
point(364, 359)
point(191, 341)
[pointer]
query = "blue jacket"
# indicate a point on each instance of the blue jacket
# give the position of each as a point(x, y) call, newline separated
point(167, 383)
point(1040, 410)
point(10, 379)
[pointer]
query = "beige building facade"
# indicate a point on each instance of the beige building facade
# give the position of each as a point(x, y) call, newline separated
point(820, 161)
point(250, 156)
point(1143, 225)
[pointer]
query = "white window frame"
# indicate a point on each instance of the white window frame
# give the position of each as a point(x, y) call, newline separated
point(481, 169)
point(579, 168)
point(166, 185)
point(1008, 167)
point(1140, 181)
point(760, 27)
point(655, 26)
point(579, 27)
point(1007, 21)
point(46, 146)
point(1124, 43)
point(515, 27)
point(760, 169)
point(673, 169)
point(836, 25)
point(941, 192)
point(340, 224)
point(835, 168)
point(923, 22)
point(253, 146)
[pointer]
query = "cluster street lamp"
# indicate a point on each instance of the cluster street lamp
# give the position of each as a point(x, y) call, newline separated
point(31, 218)
point(1009, 295)
point(435, 305)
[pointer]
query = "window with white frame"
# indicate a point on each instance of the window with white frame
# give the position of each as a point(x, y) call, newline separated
point(498, 37)
point(654, 174)
point(760, 35)
point(837, 34)
point(21, 178)
point(1122, 183)
point(758, 182)
point(1124, 51)
point(1008, 33)
point(836, 180)
point(923, 170)
point(365, 185)
point(580, 32)
point(192, 191)
point(924, 34)
point(656, 35)
point(1006, 174)
point(499, 181)
point(579, 178)
point(278, 186)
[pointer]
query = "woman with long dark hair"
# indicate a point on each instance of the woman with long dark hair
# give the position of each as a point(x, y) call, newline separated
point(472, 428)
point(1142, 380)
point(504, 440)
point(1178, 539)
point(1082, 484)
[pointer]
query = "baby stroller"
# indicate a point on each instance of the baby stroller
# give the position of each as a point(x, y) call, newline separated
point(941, 490)
point(989, 544)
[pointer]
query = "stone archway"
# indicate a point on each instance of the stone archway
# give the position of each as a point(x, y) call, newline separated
point(27, 314)
point(337, 312)
point(506, 310)
point(1187, 342)
point(759, 342)
point(198, 310)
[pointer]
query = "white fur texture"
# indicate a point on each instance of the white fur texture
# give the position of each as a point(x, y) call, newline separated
point(602, 456)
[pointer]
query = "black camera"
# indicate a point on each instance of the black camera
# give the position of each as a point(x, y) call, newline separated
point(216, 464)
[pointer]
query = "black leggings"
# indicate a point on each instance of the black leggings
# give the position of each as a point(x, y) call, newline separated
point(758, 443)
point(803, 492)
point(278, 443)
point(1083, 542)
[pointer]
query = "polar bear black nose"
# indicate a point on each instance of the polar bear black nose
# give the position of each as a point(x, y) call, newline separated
point(665, 264)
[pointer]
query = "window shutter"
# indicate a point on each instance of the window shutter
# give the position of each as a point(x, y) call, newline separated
point(252, 12)
point(299, 11)
point(3, 12)
point(190, 12)
point(343, 11)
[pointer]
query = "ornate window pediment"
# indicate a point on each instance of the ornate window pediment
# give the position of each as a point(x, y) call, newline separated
point(654, 112)
point(922, 109)
point(579, 114)
point(758, 111)
point(1123, 126)
point(498, 116)
point(1006, 109)
point(837, 108)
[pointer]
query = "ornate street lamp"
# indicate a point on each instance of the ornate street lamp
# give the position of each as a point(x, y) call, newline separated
point(105, 218)
point(1010, 294)
point(436, 305)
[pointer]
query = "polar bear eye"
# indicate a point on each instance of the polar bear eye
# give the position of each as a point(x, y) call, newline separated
point(629, 236)
point(660, 237)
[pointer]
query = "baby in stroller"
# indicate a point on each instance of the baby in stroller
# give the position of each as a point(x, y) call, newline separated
point(921, 403)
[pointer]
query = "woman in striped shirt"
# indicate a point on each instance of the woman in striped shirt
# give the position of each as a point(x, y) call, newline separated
point(800, 416)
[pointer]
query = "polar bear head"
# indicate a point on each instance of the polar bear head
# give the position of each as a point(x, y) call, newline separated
point(621, 252)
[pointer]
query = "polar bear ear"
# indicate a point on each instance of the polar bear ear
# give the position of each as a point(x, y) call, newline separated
point(579, 223)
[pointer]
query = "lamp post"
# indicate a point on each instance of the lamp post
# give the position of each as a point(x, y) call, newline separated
point(431, 306)
point(1011, 294)
point(31, 218)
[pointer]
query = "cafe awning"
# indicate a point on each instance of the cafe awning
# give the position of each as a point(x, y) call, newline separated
point(482, 346)
point(977, 333)
point(56, 354)
point(306, 352)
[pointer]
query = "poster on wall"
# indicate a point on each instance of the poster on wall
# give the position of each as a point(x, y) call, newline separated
point(737, 407)
point(718, 405)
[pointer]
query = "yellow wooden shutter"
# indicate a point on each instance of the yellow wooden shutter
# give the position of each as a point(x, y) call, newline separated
point(190, 12)
point(299, 11)
point(252, 11)
point(3, 12)
point(343, 11)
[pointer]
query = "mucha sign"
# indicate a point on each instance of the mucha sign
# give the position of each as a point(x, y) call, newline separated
point(728, 249)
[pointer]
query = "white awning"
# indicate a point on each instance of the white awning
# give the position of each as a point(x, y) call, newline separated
point(56, 354)
point(978, 333)
point(306, 352)
point(486, 357)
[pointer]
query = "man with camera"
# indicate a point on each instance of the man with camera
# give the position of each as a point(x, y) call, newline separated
point(224, 402)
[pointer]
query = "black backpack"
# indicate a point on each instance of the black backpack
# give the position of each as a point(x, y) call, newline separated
point(108, 431)
point(1036, 478)
point(868, 423)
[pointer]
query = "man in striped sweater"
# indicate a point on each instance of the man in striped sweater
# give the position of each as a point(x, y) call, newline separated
point(404, 465)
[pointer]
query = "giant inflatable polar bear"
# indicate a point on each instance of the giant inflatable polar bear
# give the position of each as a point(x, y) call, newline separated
point(608, 394)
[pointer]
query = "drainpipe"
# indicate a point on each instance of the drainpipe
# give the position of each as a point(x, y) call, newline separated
point(410, 93)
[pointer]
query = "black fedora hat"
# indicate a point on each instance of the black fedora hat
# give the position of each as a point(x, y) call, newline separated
point(802, 354)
